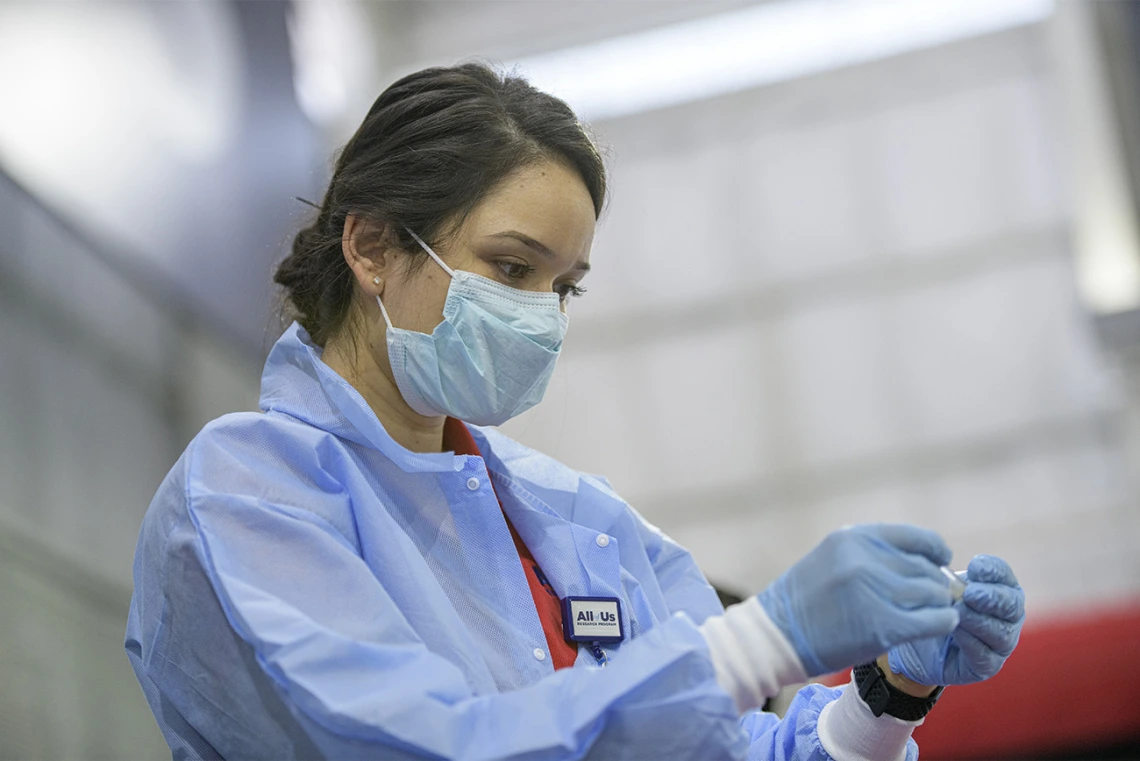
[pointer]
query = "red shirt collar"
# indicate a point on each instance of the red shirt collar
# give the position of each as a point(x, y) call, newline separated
point(456, 438)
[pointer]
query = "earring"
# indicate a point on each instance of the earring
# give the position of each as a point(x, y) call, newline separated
point(376, 281)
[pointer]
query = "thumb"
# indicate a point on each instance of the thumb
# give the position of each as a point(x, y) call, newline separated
point(933, 622)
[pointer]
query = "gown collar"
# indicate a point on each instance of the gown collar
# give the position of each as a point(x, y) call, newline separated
point(296, 382)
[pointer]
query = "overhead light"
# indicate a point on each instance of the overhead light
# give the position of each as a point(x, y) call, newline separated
point(333, 58)
point(770, 42)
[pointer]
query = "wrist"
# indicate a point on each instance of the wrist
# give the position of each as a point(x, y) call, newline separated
point(751, 656)
point(904, 683)
point(883, 697)
point(776, 606)
point(848, 729)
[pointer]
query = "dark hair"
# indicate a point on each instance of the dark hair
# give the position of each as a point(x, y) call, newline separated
point(430, 149)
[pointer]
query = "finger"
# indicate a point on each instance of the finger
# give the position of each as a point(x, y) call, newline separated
point(911, 539)
point(912, 593)
point(996, 634)
point(998, 600)
point(981, 659)
point(911, 626)
point(903, 566)
point(992, 569)
point(922, 623)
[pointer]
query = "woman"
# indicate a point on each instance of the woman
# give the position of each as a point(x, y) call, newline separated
point(359, 571)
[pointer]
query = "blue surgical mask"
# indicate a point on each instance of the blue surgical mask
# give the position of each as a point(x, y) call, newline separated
point(491, 357)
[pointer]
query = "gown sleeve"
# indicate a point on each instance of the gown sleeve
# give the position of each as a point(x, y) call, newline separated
point(798, 734)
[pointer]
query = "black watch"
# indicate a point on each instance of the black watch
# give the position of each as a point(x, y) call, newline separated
point(883, 697)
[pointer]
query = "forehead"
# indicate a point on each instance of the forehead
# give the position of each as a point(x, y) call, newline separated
point(547, 202)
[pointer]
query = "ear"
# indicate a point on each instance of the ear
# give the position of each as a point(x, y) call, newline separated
point(369, 252)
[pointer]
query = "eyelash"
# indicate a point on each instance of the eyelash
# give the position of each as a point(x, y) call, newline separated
point(572, 291)
point(511, 271)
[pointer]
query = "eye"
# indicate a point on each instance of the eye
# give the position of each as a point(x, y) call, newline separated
point(514, 270)
point(569, 290)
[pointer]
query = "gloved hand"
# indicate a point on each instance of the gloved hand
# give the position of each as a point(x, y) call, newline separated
point(862, 590)
point(992, 610)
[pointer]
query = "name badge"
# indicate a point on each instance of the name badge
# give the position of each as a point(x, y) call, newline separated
point(592, 619)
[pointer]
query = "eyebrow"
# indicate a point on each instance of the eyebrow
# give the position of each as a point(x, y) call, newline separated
point(533, 244)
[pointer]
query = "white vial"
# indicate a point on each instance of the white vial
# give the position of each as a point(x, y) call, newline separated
point(957, 582)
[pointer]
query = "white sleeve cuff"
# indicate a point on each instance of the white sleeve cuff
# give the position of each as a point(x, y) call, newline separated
point(752, 658)
point(848, 731)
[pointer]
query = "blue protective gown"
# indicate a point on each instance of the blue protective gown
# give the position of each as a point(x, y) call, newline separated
point(305, 587)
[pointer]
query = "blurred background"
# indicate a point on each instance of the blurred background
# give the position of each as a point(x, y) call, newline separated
point(864, 260)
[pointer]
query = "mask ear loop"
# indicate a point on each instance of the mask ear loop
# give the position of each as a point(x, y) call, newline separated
point(426, 247)
point(433, 254)
point(384, 312)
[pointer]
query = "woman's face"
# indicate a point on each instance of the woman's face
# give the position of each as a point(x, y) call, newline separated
point(533, 232)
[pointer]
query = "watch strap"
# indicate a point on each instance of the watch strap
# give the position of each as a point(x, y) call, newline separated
point(883, 697)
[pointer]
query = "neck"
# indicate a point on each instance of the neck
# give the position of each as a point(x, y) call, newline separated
point(360, 367)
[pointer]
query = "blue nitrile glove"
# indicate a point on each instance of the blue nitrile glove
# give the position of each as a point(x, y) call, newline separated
point(992, 610)
point(862, 590)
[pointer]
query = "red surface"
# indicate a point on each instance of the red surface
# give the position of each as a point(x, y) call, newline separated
point(1072, 685)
